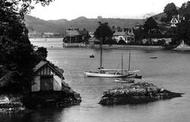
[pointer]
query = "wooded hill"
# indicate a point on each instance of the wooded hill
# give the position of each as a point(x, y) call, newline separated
point(40, 25)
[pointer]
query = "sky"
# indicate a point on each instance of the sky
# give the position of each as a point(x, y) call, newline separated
point(71, 9)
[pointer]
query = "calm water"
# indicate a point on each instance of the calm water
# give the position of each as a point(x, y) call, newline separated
point(170, 70)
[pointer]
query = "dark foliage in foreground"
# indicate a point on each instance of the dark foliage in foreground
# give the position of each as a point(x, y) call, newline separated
point(17, 55)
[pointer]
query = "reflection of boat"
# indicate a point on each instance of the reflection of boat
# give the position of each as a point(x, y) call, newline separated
point(153, 57)
point(127, 80)
point(111, 73)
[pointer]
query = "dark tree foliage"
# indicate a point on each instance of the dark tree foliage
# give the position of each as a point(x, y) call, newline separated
point(185, 10)
point(150, 25)
point(103, 32)
point(42, 52)
point(17, 55)
point(183, 31)
point(139, 35)
point(170, 10)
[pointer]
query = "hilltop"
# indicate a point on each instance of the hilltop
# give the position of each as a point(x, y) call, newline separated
point(40, 25)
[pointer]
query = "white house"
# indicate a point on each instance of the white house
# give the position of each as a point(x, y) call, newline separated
point(174, 21)
point(47, 77)
point(120, 36)
point(127, 36)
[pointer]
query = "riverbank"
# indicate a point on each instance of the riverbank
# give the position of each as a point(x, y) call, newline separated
point(97, 46)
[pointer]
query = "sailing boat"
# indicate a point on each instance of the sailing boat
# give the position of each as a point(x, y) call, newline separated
point(111, 73)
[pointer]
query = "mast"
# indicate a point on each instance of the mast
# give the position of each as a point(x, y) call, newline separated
point(122, 63)
point(129, 66)
point(101, 54)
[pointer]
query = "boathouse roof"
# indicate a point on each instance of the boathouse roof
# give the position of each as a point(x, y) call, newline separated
point(55, 69)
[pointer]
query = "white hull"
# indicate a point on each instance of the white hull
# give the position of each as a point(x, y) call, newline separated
point(108, 75)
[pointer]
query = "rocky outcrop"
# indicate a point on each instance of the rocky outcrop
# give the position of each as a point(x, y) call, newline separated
point(141, 92)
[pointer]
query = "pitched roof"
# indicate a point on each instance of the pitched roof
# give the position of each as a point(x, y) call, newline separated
point(39, 65)
point(55, 69)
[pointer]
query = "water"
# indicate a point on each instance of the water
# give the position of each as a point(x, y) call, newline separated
point(169, 70)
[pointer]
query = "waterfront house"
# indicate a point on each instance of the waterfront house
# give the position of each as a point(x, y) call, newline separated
point(174, 21)
point(48, 77)
point(125, 35)
point(118, 36)
point(76, 36)
point(72, 36)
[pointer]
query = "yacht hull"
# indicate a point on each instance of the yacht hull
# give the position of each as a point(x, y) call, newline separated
point(106, 75)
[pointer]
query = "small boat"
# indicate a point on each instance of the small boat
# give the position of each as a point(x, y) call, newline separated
point(111, 73)
point(106, 73)
point(91, 56)
point(153, 57)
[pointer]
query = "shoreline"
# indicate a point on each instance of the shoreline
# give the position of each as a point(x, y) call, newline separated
point(125, 47)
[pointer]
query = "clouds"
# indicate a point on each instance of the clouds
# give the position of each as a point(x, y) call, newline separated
point(71, 9)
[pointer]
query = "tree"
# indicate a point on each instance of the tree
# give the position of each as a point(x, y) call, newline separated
point(185, 10)
point(150, 24)
point(18, 57)
point(170, 10)
point(139, 34)
point(42, 52)
point(103, 32)
point(150, 28)
point(183, 31)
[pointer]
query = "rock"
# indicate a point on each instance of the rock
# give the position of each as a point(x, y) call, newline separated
point(11, 103)
point(140, 92)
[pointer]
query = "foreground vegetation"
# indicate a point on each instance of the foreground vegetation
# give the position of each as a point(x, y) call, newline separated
point(19, 57)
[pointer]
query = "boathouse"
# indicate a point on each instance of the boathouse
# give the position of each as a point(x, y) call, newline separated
point(72, 36)
point(48, 77)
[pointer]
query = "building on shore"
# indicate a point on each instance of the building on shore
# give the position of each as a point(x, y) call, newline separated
point(76, 36)
point(124, 35)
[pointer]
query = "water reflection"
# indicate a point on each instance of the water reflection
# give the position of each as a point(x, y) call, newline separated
point(48, 115)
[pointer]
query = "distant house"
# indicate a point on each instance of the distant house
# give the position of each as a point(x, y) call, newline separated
point(120, 36)
point(126, 36)
point(72, 36)
point(50, 35)
point(174, 21)
point(47, 77)
point(76, 36)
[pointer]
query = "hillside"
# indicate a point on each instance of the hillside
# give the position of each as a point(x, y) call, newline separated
point(39, 25)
